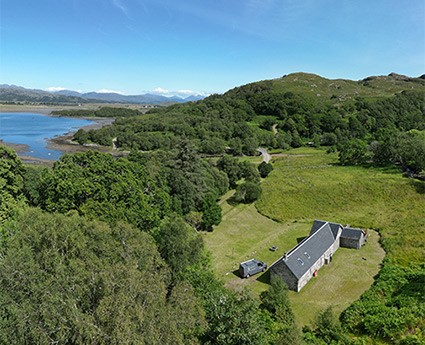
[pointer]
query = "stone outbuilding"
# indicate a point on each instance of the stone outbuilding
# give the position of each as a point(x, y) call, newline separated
point(352, 238)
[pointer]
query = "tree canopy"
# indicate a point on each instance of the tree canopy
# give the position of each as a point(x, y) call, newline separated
point(11, 183)
point(68, 280)
point(102, 187)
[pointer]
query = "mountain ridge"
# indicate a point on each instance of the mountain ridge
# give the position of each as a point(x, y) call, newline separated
point(309, 84)
point(14, 93)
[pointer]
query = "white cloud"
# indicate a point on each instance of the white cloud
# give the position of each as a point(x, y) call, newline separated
point(161, 91)
point(180, 93)
point(56, 88)
point(109, 91)
point(119, 4)
point(188, 92)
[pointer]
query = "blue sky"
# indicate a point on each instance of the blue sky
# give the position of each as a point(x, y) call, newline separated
point(134, 46)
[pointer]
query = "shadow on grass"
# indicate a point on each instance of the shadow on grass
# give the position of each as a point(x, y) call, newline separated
point(419, 186)
point(232, 201)
point(414, 288)
point(264, 278)
point(236, 273)
point(299, 239)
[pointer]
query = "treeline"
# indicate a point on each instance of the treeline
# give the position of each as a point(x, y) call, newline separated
point(254, 115)
point(111, 260)
point(141, 189)
point(101, 112)
point(390, 146)
point(211, 125)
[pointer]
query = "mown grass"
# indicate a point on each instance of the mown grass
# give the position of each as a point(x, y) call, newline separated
point(243, 234)
point(341, 283)
point(307, 184)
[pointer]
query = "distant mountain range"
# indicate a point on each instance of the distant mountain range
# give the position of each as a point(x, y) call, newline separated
point(302, 83)
point(13, 93)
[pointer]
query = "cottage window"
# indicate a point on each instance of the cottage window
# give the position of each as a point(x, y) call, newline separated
point(307, 255)
point(300, 261)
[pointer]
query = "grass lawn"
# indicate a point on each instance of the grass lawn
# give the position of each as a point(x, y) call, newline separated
point(341, 283)
point(306, 185)
point(244, 234)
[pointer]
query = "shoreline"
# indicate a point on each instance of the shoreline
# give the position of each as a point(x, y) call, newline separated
point(38, 109)
point(63, 142)
point(44, 109)
point(18, 148)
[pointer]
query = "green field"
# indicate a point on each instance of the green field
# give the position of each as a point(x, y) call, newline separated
point(306, 184)
point(311, 185)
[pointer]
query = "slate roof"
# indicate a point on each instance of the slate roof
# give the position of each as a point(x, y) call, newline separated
point(352, 233)
point(317, 224)
point(308, 251)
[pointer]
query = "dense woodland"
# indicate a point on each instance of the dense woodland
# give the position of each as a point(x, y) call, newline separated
point(101, 250)
point(238, 122)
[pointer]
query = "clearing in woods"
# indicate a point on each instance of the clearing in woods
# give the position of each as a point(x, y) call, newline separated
point(306, 184)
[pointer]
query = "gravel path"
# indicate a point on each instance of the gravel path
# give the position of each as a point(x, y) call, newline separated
point(266, 156)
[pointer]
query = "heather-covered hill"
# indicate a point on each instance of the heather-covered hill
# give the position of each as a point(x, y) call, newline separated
point(315, 86)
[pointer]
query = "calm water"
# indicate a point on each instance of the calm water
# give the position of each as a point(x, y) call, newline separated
point(34, 130)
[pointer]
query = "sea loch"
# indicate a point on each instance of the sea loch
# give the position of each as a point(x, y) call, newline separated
point(33, 130)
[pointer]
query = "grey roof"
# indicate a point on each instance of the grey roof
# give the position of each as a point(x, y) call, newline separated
point(308, 251)
point(317, 224)
point(352, 233)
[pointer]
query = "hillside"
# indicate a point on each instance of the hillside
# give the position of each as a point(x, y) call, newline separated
point(302, 108)
point(315, 86)
point(17, 94)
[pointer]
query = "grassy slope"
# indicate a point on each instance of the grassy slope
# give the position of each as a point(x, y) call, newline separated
point(314, 85)
point(308, 186)
point(368, 198)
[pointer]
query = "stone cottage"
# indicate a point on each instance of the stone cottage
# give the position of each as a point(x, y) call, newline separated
point(303, 261)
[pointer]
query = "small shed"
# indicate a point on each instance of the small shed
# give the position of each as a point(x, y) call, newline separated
point(352, 238)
